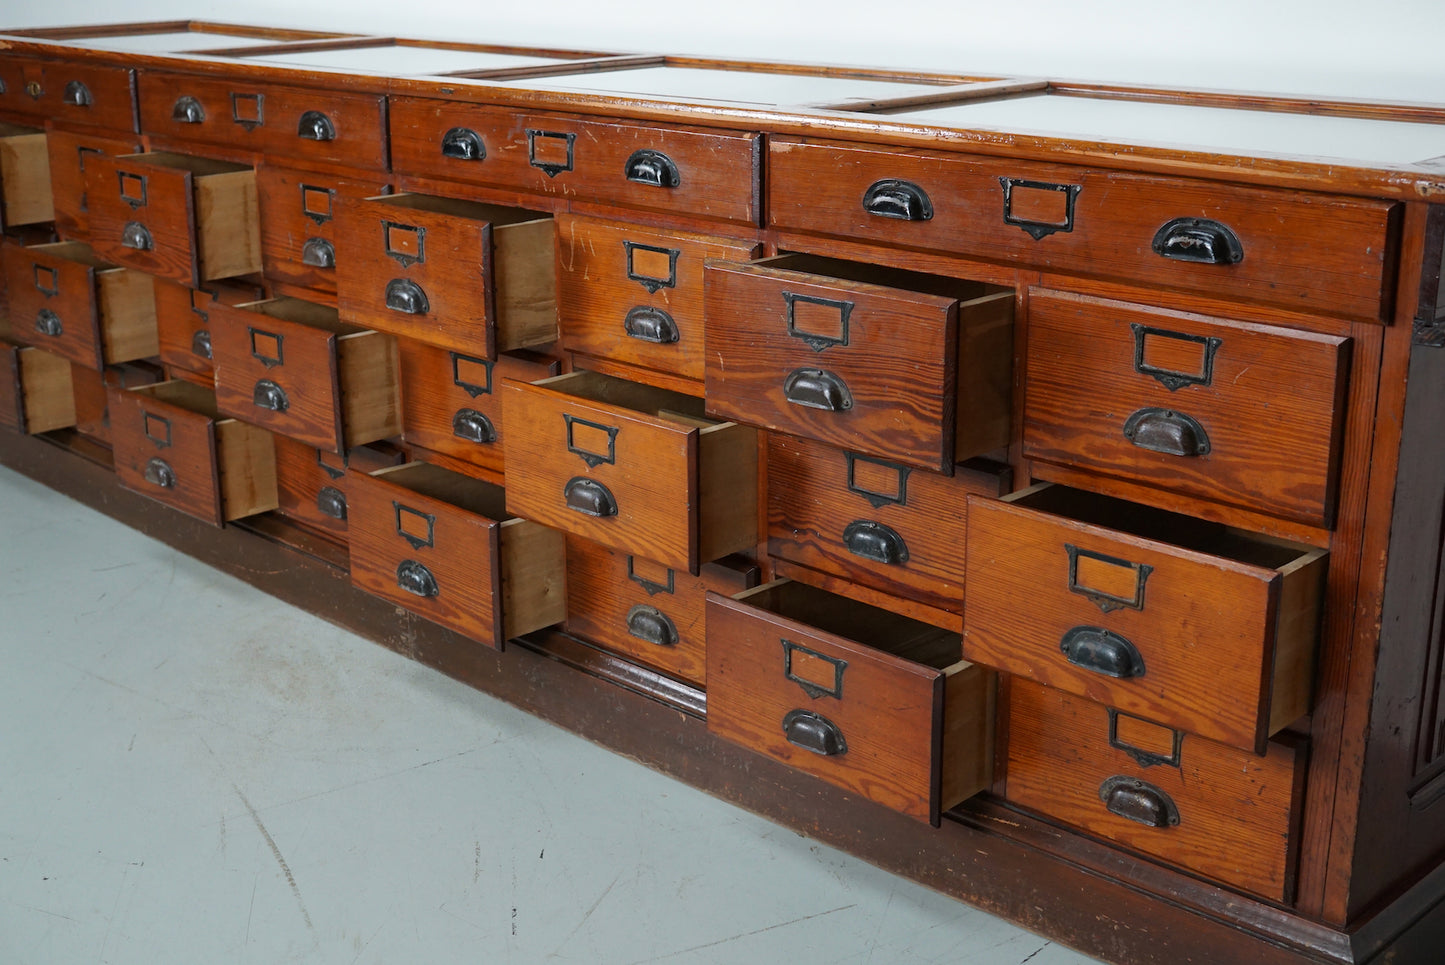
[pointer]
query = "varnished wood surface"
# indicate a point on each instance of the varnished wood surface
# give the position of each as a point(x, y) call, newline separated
point(298, 208)
point(183, 312)
point(68, 151)
point(37, 89)
point(175, 423)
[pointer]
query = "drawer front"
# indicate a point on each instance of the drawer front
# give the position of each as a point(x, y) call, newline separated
point(782, 688)
point(635, 295)
point(68, 152)
point(298, 211)
point(166, 452)
point(1169, 795)
point(71, 94)
point(312, 483)
point(1182, 637)
point(709, 174)
point(1313, 252)
point(426, 555)
point(452, 402)
point(1175, 401)
point(53, 303)
point(869, 521)
point(143, 216)
point(12, 402)
point(92, 405)
point(647, 611)
point(278, 374)
point(290, 122)
point(183, 320)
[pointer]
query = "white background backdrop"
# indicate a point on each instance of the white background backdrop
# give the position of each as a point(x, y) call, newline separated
point(1391, 49)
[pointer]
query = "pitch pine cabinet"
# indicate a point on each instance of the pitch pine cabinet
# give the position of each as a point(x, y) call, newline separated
point(1032, 487)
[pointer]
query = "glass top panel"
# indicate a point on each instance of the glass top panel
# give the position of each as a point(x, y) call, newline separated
point(1223, 130)
point(398, 59)
point(713, 84)
point(172, 41)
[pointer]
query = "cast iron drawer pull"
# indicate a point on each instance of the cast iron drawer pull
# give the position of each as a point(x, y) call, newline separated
point(201, 343)
point(651, 625)
point(331, 501)
point(158, 472)
point(473, 426)
point(903, 200)
point(136, 235)
point(874, 541)
point(463, 144)
point(315, 126)
point(48, 323)
point(650, 325)
point(77, 94)
point(1140, 801)
point(405, 295)
point(269, 395)
point(1199, 240)
point(1166, 431)
point(1103, 652)
point(416, 579)
point(814, 732)
point(318, 253)
point(652, 168)
point(817, 389)
point(589, 497)
point(188, 110)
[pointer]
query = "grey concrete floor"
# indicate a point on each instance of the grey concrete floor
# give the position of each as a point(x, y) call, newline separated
point(192, 772)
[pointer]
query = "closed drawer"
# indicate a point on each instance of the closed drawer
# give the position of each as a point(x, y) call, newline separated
point(36, 393)
point(92, 402)
point(707, 173)
point(869, 521)
point(903, 366)
point(183, 319)
point(635, 295)
point(452, 402)
point(870, 701)
point(311, 483)
point(1176, 401)
point(68, 151)
point(290, 122)
point(71, 94)
point(644, 610)
point(64, 299)
point(478, 278)
point(1305, 251)
point(1203, 628)
point(632, 467)
point(298, 212)
point(185, 218)
point(173, 445)
point(25, 195)
point(291, 366)
point(1202, 806)
point(443, 546)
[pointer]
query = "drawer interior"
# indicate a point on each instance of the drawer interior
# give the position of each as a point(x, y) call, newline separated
point(473, 495)
point(663, 403)
point(496, 214)
point(303, 312)
point(915, 281)
point(199, 166)
point(76, 251)
point(185, 394)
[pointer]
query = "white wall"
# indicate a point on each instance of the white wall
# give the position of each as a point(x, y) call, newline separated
point(1385, 49)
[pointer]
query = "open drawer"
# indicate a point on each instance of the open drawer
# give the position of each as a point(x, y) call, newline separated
point(36, 391)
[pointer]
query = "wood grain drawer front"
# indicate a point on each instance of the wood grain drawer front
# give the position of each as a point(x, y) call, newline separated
point(64, 299)
point(284, 122)
point(908, 367)
point(68, 151)
point(1202, 806)
point(649, 612)
point(1205, 629)
point(175, 216)
point(291, 366)
point(183, 318)
point(442, 546)
point(90, 95)
point(25, 191)
point(635, 295)
point(298, 223)
point(707, 173)
point(478, 278)
point(870, 701)
point(632, 467)
point(92, 405)
point(173, 445)
point(882, 524)
point(1176, 401)
point(311, 484)
point(36, 393)
point(452, 402)
point(1311, 252)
